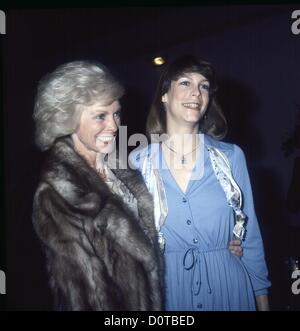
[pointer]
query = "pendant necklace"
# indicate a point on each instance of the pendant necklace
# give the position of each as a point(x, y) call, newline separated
point(182, 159)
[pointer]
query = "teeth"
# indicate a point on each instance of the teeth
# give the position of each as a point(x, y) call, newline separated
point(192, 105)
point(102, 138)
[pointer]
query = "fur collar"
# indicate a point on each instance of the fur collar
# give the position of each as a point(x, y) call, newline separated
point(90, 191)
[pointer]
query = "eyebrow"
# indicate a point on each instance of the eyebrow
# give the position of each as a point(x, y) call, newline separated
point(187, 76)
point(97, 112)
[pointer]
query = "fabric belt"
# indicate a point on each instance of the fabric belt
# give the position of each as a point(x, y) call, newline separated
point(195, 259)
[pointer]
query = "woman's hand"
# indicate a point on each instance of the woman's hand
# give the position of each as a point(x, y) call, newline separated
point(235, 247)
point(262, 303)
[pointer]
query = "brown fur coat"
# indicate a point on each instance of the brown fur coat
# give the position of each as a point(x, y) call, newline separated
point(99, 256)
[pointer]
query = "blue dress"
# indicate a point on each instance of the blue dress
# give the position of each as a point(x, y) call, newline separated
point(201, 273)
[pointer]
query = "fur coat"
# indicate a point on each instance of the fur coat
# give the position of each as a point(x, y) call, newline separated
point(99, 255)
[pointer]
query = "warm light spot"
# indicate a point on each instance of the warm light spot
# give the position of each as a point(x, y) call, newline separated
point(158, 61)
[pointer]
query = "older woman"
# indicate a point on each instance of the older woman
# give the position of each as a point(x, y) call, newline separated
point(95, 222)
point(203, 197)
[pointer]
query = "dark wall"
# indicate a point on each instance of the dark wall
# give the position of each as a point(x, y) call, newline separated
point(257, 59)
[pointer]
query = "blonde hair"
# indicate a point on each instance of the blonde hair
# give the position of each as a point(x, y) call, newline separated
point(62, 93)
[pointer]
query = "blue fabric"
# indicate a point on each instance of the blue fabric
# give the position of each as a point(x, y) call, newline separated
point(201, 273)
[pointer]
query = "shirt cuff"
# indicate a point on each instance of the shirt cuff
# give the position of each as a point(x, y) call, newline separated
point(263, 291)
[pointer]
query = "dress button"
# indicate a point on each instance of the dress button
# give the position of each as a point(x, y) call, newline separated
point(189, 222)
point(184, 200)
point(199, 305)
point(195, 240)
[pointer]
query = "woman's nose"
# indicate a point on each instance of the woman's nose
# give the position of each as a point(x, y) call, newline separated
point(113, 125)
point(196, 92)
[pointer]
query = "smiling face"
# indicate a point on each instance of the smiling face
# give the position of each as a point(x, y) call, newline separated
point(98, 127)
point(187, 100)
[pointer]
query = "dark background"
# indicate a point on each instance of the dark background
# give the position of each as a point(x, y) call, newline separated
point(257, 58)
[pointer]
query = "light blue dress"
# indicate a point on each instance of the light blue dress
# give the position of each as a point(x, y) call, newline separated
point(201, 273)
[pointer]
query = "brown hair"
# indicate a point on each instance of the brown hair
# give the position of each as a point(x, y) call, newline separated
point(213, 123)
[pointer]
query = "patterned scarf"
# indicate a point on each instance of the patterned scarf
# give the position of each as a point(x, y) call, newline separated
point(231, 189)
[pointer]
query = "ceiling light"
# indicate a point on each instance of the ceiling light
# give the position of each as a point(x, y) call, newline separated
point(158, 61)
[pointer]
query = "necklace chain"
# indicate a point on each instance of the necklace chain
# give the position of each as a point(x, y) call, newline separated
point(183, 160)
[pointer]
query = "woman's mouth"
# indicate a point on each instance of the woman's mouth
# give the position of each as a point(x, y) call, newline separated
point(192, 105)
point(106, 139)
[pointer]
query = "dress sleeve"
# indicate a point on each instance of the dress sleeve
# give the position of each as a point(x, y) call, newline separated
point(253, 249)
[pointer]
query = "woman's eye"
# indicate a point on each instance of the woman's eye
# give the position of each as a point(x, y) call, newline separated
point(185, 83)
point(205, 87)
point(100, 117)
point(117, 114)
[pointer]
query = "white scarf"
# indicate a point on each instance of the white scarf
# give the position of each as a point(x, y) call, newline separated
point(222, 170)
point(156, 188)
